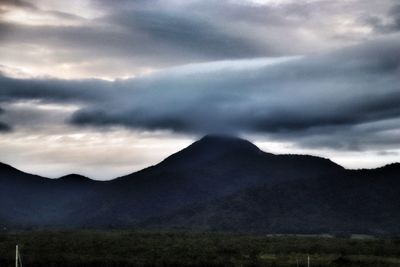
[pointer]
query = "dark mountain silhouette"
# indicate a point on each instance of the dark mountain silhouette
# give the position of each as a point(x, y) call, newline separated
point(75, 177)
point(364, 201)
point(218, 183)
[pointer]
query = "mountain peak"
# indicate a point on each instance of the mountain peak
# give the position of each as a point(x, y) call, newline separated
point(221, 144)
point(74, 177)
point(225, 141)
point(220, 137)
point(211, 146)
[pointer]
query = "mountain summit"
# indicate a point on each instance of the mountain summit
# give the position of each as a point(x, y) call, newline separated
point(226, 143)
point(211, 147)
point(218, 183)
point(74, 178)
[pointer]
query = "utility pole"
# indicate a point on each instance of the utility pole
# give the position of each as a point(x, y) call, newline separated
point(308, 260)
point(16, 256)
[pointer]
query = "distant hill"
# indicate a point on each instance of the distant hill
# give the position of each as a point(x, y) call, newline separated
point(218, 183)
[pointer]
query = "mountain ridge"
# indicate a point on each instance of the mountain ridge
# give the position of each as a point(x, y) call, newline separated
point(208, 136)
point(218, 183)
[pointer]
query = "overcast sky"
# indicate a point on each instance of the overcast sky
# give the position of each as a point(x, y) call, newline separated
point(104, 88)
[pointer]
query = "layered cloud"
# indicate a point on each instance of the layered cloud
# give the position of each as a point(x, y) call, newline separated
point(329, 97)
point(85, 39)
point(319, 76)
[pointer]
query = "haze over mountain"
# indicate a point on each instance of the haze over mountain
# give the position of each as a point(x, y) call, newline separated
point(218, 183)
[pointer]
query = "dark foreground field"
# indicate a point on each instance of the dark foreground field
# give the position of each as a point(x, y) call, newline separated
point(125, 248)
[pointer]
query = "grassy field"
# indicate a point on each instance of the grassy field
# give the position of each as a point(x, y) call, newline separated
point(126, 248)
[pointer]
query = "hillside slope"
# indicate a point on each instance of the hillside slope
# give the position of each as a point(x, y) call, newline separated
point(217, 183)
point(364, 201)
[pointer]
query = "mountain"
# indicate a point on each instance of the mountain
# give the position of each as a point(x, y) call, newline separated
point(218, 183)
point(364, 201)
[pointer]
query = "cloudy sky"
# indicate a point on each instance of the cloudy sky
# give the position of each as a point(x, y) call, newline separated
point(104, 88)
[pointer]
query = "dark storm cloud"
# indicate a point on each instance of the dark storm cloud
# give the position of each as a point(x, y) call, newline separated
point(320, 100)
point(394, 13)
point(3, 126)
point(52, 90)
point(387, 24)
point(188, 33)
